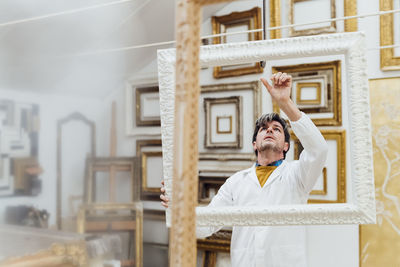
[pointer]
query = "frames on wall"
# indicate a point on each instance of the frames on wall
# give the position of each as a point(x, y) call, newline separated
point(77, 118)
point(250, 93)
point(350, 46)
point(317, 91)
point(223, 122)
point(389, 32)
point(331, 184)
point(234, 22)
point(19, 138)
point(150, 153)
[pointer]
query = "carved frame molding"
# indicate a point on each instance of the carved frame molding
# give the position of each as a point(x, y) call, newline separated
point(352, 46)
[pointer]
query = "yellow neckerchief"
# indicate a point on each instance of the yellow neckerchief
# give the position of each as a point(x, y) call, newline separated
point(263, 173)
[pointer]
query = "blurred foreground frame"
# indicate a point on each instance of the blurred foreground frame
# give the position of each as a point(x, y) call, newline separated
point(352, 46)
point(179, 96)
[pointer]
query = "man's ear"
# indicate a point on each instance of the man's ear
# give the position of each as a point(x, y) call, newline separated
point(286, 147)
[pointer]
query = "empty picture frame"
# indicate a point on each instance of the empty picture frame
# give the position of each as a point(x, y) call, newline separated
point(147, 106)
point(316, 90)
point(300, 13)
point(331, 184)
point(150, 154)
point(389, 33)
point(223, 122)
point(351, 46)
point(235, 22)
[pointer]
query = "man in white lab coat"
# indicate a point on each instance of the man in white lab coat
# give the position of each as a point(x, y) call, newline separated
point(273, 181)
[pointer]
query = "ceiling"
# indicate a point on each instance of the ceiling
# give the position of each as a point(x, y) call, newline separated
point(60, 46)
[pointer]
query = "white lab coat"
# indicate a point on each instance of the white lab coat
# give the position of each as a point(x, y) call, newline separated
point(290, 183)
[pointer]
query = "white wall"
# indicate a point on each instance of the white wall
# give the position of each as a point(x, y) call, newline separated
point(51, 109)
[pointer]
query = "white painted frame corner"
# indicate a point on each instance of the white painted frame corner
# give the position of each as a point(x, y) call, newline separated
point(352, 46)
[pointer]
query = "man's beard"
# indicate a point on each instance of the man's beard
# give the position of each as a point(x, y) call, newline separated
point(269, 146)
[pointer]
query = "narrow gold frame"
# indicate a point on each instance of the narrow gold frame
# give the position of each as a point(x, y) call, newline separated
point(386, 26)
point(324, 190)
point(140, 144)
point(218, 242)
point(316, 101)
point(312, 31)
point(238, 18)
point(208, 103)
point(230, 124)
point(336, 90)
point(138, 93)
point(340, 137)
point(144, 187)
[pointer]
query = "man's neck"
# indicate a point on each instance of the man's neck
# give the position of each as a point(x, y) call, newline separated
point(268, 157)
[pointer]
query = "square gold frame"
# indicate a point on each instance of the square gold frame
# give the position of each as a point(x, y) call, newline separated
point(252, 18)
point(327, 29)
point(230, 124)
point(145, 192)
point(336, 90)
point(340, 137)
point(308, 101)
point(208, 103)
point(386, 26)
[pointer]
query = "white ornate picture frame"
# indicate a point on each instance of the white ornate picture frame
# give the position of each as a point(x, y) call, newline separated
point(361, 210)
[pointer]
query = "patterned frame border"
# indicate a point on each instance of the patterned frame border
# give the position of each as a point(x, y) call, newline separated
point(352, 46)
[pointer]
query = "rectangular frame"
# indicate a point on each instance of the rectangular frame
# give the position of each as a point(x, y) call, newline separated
point(208, 103)
point(154, 121)
point(386, 28)
point(300, 86)
point(210, 246)
point(147, 193)
point(352, 47)
point(312, 31)
point(252, 18)
point(336, 90)
point(340, 137)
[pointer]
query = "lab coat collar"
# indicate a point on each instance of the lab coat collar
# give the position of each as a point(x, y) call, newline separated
point(275, 174)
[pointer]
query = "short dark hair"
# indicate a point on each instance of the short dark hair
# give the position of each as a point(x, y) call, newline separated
point(268, 117)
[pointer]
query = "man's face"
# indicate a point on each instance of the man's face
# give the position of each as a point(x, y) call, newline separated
point(271, 137)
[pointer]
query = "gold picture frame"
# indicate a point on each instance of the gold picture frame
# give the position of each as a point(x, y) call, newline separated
point(300, 86)
point(210, 246)
point(211, 102)
point(336, 89)
point(140, 121)
point(250, 18)
point(327, 29)
point(220, 129)
point(386, 26)
point(340, 137)
point(350, 9)
point(148, 193)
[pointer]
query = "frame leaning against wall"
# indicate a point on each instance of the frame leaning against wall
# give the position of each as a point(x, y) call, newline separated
point(352, 47)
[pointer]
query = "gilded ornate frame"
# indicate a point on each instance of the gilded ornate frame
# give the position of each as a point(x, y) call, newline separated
point(386, 29)
point(250, 17)
point(336, 90)
point(352, 47)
